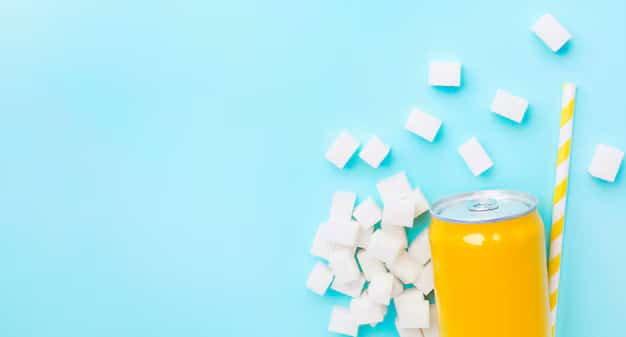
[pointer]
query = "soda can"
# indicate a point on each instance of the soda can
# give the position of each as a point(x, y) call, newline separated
point(489, 262)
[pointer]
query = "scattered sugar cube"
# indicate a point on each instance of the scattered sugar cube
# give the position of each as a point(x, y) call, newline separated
point(366, 311)
point(425, 283)
point(475, 156)
point(374, 152)
point(319, 279)
point(321, 247)
point(393, 187)
point(364, 237)
point(423, 124)
point(421, 204)
point(509, 106)
point(433, 330)
point(398, 212)
point(413, 310)
point(397, 289)
point(343, 265)
point(399, 233)
point(444, 74)
point(385, 247)
point(553, 34)
point(370, 265)
point(380, 288)
point(342, 149)
point(343, 322)
point(343, 233)
point(420, 248)
point(368, 213)
point(342, 206)
point(351, 288)
point(405, 268)
point(606, 162)
point(408, 332)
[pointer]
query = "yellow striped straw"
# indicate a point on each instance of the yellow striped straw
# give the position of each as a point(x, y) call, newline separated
point(560, 196)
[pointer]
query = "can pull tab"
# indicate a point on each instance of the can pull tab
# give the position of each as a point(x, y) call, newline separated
point(482, 205)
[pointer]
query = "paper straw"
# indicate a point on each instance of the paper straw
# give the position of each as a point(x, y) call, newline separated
point(560, 196)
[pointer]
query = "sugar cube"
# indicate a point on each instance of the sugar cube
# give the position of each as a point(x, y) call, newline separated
point(381, 288)
point(319, 279)
point(553, 34)
point(399, 212)
point(385, 247)
point(370, 265)
point(342, 321)
point(397, 289)
point(408, 332)
point(393, 187)
point(374, 152)
point(343, 265)
point(342, 206)
point(351, 288)
point(399, 233)
point(425, 282)
point(606, 162)
point(444, 74)
point(433, 330)
point(421, 204)
point(342, 149)
point(366, 311)
point(413, 310)
point(420, 248)
point(367, 213)
point(343, 233)
point(321, 247)
point(364, 237)
point(475, 156)
point(405, 268)
point(509, 106)
point(423, 124)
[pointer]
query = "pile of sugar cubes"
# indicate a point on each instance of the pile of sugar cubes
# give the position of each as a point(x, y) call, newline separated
point(370, 259)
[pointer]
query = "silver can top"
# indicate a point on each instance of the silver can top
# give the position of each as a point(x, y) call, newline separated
point(484, 206)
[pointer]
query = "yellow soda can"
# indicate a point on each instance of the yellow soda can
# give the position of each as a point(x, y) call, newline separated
point(489, 262)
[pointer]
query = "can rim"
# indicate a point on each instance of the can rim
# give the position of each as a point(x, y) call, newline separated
point(524, 197)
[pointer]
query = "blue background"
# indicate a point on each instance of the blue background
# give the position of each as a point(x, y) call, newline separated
point(162, 161)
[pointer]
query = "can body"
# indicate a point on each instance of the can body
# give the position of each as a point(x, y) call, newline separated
point(491, 277)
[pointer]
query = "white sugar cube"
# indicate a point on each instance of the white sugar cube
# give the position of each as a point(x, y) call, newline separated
point(366, 311)
point(433, 330)
point(509, 106)
point(370, 265)
point(368, 213)
point(397, 289)
point(381, 288)
point(425, 282)
point(444, 74)
point(343, 233)
point(342, 321)
point(399, 233)
point(321, 247)
point(475, 157)
point(408, 332)
point(351, 288)
point(342, 149)
point(606, 162)
point(405, 268)
point(399, 212)
point(343, 265)
point(319, 279)
point(423, 124)
point(413, 310)
point(553, 34)
point(364, 237)
point(420, 248)
point(393, 187)
point(385, 247)
point(421, 204)
point(342, 206)
point(374, 152)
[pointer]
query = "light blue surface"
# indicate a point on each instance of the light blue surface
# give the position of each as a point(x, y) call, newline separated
point(162, 161)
